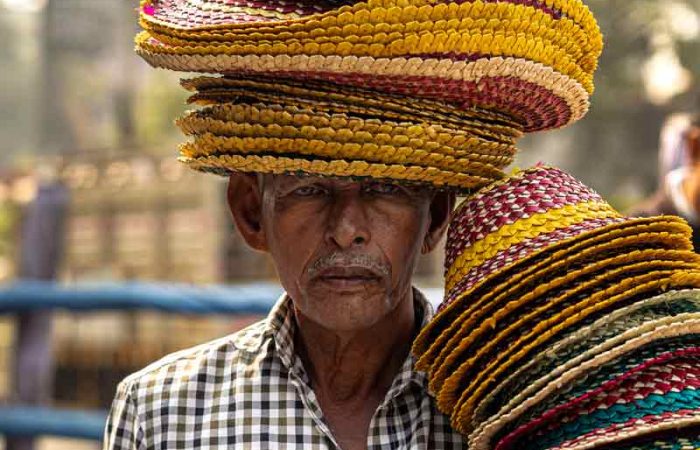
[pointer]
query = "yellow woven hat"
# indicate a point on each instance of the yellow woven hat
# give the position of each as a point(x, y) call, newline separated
point(546, 374)
point(514, 275)
point(529, 305)
point(344, 88)
point(625, 291)
point(529, 260)
point(519, 227)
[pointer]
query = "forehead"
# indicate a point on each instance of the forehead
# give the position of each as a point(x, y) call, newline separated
point(288, 182)
point(283, 180)
point(291, 180)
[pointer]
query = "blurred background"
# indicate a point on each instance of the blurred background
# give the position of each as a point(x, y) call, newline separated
point(85, 121)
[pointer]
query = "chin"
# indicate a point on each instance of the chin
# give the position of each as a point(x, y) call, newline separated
point(346, 311)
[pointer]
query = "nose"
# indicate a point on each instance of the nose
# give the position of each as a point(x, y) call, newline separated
point(348, 222)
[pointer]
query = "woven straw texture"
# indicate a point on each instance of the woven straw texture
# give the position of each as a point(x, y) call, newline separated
point(552, 297)
point(450, 318)
point(546, 215)
point(343, 89)
point(665, 442)
point(563, 36)
point(255, 126)
point(471, 391)
point(666, 384)
point(574, 348)
point(538, 300)
point(653, 339)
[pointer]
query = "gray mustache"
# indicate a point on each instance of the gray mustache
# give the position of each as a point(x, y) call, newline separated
point(338, 259)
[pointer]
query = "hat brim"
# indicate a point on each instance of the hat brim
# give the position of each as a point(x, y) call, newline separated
point(575, 347)
point(538, 99)
point(445, 323)
point(544, 295)
point(648, 392)
point(319, 98)
point(670, 424)
point(463, 388)
point(574, 371)
point(673, 343)
point(286, 127)
point(555, 287)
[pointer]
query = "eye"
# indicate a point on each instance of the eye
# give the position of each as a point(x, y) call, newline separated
point(382, 188)
point(309, 191)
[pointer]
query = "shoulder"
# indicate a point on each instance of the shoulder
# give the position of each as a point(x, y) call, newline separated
point(220, 358)
point(186, 386)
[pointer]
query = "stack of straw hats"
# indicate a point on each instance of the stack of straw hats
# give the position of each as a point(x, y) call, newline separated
point(423, 91)
point(565, 324)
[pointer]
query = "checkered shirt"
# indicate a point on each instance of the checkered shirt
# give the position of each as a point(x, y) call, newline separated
point(250, 391)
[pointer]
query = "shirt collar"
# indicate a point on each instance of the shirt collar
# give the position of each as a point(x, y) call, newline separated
point(281, 328)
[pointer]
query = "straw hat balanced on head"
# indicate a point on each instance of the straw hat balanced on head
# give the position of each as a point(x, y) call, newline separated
point(420, 91)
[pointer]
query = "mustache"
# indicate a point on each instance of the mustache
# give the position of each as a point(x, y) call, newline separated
point(342, 260)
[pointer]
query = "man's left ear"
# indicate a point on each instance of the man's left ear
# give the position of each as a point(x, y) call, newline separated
point(440, 214)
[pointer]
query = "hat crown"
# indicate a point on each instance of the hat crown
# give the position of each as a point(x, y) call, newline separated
point(512, 218)
point(531, 192)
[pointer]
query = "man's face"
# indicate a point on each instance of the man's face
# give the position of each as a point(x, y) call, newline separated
point(345, 251)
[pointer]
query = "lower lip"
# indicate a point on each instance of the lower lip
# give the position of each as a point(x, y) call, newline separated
point(347, 283)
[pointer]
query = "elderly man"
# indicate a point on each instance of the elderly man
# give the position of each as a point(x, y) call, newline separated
point(346, 130)
point(330, 366)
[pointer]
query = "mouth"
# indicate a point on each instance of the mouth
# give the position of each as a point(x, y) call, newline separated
point(347, 277)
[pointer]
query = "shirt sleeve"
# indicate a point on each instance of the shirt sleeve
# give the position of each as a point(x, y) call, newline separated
point(123, 430)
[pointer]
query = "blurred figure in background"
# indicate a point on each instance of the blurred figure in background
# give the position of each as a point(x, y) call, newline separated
point(679, 174)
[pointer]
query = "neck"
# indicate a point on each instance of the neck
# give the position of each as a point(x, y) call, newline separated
point(359, 365)
point(351, 372)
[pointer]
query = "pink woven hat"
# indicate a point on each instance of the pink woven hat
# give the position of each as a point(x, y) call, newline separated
point(582, 362)
point(510, 220)
point(635, 399)
point(530, 259)
point(517, 227)
point(533, 58)
point(323, 71)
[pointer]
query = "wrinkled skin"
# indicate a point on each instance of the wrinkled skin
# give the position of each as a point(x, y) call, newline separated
point(345, 252)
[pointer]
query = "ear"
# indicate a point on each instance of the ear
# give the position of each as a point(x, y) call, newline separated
point(441, 208)
point(245, 202)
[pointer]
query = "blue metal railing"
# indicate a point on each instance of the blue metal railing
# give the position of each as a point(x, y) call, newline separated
point(22, 420)
point(255, 298)
point(42, 421)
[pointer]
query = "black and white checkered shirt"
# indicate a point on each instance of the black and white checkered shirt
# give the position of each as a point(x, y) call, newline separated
point(250, 391)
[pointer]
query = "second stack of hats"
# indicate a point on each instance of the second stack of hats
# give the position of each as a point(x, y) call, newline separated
point(565, 324)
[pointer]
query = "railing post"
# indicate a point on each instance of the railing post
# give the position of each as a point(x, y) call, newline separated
point(41, 250)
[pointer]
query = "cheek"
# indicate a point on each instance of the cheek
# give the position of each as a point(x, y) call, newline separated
point(293, 242)
point(401, 238)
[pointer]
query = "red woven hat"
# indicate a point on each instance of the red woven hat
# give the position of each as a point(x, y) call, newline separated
point(529, 260)
point(503, 67)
